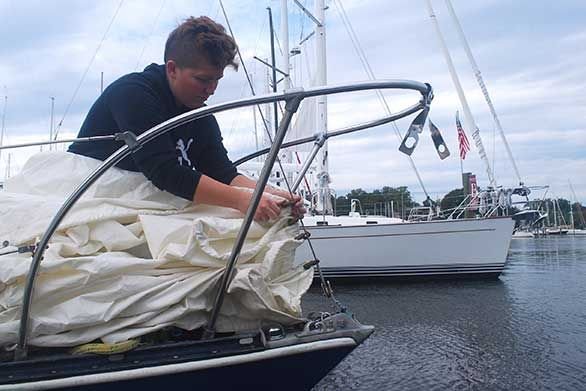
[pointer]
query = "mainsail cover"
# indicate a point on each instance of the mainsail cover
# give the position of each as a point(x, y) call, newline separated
point(130, 259)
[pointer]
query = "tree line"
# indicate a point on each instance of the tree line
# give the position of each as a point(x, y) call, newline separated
point(378, 201)
point(399, 201)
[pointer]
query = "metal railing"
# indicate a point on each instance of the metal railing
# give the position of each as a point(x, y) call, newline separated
point(292, 99)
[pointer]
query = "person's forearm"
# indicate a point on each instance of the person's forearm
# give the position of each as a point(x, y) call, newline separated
point(211, 192)
point(244, 181)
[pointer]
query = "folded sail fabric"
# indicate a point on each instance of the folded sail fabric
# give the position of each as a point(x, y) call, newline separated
point(130, 259)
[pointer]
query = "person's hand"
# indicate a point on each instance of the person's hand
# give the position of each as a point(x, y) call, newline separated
point(296, 203)
point(269, 207)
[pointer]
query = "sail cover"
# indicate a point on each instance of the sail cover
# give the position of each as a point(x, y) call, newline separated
point(130, 259)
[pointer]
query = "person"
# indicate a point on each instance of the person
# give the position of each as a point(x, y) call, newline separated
point(191, 160)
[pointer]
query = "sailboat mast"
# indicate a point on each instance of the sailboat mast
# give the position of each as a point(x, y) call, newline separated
point(578, 204)
point(8, 166)
point(254, 119)
point(274, 69)
point(3, 122)
point(51, 125)
point(322, 108)
point(480, 81)
point(268, 112)
point(467, 113)
point(285, 66)
point(285, 154)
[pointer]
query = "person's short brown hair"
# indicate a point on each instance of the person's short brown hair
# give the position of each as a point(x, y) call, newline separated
point(200, 37)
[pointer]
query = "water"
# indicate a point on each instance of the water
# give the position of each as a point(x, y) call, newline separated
point(525, 331)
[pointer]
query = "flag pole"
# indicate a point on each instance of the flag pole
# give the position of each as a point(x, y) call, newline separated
point(461, 163)
point(462, 173)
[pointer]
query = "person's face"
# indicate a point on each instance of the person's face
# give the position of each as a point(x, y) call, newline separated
point(193, 86)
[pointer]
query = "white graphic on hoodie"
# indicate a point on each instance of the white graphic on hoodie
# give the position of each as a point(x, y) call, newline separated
point(183, 150)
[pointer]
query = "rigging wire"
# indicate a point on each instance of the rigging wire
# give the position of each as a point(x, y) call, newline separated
point(325, 285)
point(244, 84)
point(150, 34)
point(303, 20)
point(3, 128)
point(279, 46)
point(469, 118)
point(237, 118)
point(252, 89)
point(483, 87)
point(87, 70)
point(370, 73)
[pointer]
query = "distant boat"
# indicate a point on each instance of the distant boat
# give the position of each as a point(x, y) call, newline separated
point(577, 232)
point(556, 231)
point(528, 223)
point(523, 235)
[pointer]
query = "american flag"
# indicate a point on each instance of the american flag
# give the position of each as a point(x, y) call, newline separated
point(464, 144)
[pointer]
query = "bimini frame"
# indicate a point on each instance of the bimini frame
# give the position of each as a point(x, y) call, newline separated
point(292, 99)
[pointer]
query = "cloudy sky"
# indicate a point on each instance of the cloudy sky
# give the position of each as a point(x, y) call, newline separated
point(532, 55)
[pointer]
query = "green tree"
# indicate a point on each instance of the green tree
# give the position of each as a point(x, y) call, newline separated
point(579, 213)
point(378, 199)
point(452, 199)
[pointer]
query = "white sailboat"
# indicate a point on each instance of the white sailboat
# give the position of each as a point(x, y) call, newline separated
point(559, 226)
point(573, 230)
point(363, 247)
point(576, 232)
point(369, 246)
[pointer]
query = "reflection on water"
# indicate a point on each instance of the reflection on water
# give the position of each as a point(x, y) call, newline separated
point(526, 331)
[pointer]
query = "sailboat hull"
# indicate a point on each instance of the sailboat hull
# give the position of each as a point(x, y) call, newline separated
point(184, 368)
point(443, 248)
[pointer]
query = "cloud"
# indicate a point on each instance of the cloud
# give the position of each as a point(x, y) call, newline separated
point(532, 66)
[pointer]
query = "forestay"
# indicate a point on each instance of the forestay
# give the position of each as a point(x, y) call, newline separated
point(130, 259)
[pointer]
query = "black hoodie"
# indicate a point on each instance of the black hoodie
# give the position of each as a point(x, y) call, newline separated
point(173, 162)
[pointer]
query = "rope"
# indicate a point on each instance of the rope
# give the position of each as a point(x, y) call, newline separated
point(106, 348)
point(86, 71)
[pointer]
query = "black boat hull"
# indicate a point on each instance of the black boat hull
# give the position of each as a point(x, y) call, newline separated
point(297, 367)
